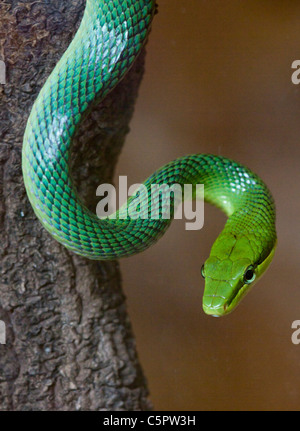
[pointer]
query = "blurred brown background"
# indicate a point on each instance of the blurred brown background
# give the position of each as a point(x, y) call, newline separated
point(218, 79)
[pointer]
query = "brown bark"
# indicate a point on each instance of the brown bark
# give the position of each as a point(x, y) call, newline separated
point(69, 340)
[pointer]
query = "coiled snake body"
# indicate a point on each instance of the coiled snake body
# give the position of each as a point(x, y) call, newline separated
point(108, 41)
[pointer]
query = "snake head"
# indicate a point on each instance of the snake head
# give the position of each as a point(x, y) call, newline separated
point(235, 264)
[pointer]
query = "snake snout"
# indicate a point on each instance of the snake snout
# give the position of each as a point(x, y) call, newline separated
point(214, 305)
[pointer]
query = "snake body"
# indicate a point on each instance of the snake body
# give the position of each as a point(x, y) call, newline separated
point(107, 43)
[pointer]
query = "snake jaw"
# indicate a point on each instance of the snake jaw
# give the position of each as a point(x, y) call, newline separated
point(217, 305)
point(214, 311)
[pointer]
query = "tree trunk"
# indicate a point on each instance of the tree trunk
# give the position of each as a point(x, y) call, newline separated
point(69, 342)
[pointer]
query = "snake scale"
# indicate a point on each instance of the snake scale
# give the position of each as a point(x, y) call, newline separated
point(108, 41)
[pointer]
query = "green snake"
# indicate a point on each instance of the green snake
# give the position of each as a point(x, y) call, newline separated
point(109, 39)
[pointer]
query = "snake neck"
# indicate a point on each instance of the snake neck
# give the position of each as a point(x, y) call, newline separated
point(249, 205)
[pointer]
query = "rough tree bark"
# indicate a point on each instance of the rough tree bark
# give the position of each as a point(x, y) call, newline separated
point(69, 341)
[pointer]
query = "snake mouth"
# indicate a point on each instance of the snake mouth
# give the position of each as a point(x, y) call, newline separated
point(217, 305)
point(214, 305)
point(215, 311)
point(236, 297)
point(219, 311)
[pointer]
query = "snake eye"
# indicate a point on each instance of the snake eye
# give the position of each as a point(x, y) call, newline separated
point(249, 275)
point(202, 271)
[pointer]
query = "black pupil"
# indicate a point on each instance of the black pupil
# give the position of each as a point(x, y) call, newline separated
point(249, 274)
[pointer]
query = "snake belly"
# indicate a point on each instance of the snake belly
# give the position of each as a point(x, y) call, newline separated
point(109, 39)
